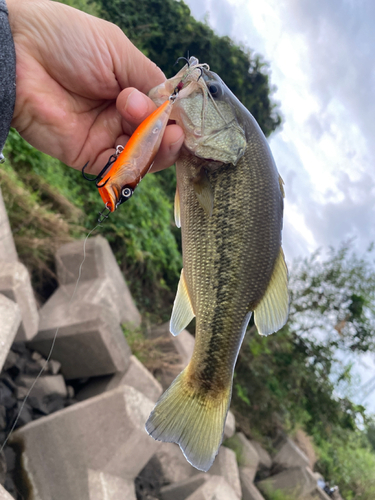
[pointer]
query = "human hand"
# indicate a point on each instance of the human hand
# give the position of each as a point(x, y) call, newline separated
point(71, 68)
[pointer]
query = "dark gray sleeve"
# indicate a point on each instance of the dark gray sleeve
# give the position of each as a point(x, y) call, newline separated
point(7, 74)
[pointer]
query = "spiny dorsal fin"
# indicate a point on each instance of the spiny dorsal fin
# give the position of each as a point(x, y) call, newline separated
point(182, 312)
point(204, 192)
point(272, 311)
point(177, 208)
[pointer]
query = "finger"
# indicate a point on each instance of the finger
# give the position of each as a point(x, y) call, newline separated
point(134, 107)
point(169, 149)
point(131, 67)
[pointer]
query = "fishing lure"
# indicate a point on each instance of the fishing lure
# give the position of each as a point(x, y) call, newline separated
point(131, 163)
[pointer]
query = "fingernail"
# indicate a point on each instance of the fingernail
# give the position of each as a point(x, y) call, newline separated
point(136, 104)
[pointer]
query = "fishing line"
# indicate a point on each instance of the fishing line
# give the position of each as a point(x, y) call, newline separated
point(52, 345)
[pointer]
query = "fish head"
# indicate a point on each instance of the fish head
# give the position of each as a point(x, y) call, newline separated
point(210, 115)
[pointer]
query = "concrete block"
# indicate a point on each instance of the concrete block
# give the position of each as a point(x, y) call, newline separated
point(4, 495)
point(46, 385)
point(265, 460)
point(288, 456)
point(100, 263)
point(216, 488)
point(10, 319)
point(184, 488)
point(230, 426)
point(171, 464)
point(225, 465)
point(104, 486)
point(247, 475)
point(179, 348)
point(136, 376)
point(16, 285)
point(249, 490)
point(305, 444)
point(90, 341)
point(8, 252)
point(247, 455)
point(105, 434)
point(298, 482)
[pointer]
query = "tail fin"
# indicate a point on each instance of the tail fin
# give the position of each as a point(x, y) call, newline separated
point(195, 422)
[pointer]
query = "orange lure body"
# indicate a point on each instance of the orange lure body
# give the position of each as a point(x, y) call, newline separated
point(135, 160)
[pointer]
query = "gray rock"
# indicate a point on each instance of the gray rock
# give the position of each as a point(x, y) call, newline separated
point(297, 481)
point(140, 378)
point(4, 495)
point(12, 357)
point(10, 319)
point(247, 455)
point(265, 460)
point(136, 376)
point(16, 285)
point(54, 366)
point(45, 385)
point(90, 341)
point(225, 465)
point(104, 486)
point(8, 250)
point(247, 475)
point(230, 426)
point(288, 456)
point(216, 488)
point(103, 434)
point(171, 463)
point(249, 491)
point(184, 488)
point(100, 263)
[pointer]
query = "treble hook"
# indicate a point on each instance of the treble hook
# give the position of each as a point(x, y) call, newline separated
point(96, 179)
point(184, 58)
point(102, 215)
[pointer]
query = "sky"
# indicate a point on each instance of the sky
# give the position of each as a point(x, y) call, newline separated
point(321, 60)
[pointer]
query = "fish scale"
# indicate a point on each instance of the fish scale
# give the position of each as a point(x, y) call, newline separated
point(219, 295)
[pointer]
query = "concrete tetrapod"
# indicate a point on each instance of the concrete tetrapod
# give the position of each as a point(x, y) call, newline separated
point(104, 434)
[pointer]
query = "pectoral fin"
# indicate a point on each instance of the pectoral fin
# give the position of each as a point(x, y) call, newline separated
point(177, 208)
point(272, 311)
point(204, 192)
point(182, 312)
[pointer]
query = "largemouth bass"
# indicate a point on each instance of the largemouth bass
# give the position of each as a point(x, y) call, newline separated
point(229, 203)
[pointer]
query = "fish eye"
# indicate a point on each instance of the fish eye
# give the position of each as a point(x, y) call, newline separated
point(215, 89)
point(126, 192)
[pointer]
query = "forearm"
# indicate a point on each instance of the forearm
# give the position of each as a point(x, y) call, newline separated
point(7, 74)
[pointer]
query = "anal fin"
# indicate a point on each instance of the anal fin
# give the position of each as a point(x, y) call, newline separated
point(272, 311)
point(182, 312)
